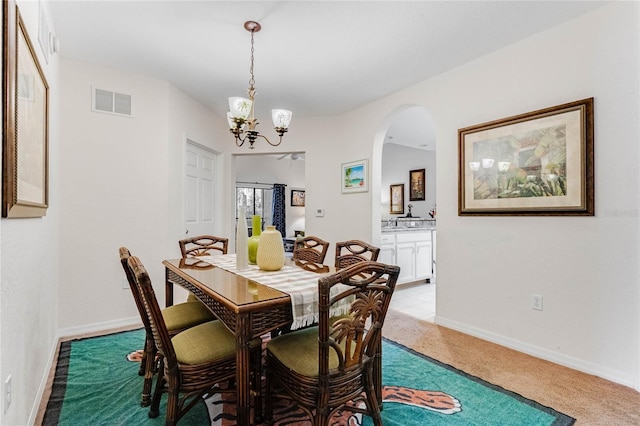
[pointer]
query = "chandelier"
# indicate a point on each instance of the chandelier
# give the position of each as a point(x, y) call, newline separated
point(240, 116)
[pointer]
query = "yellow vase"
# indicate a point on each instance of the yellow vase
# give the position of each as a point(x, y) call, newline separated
point(270, 256)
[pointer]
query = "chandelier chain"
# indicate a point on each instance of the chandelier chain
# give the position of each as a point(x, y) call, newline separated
point(252, 79)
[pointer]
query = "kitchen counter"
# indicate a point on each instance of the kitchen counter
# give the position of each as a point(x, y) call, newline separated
point(397, 229)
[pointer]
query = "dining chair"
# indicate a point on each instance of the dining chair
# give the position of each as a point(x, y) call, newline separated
point(177, 318)
point(310, 249)
point(354, 251)
point(192, 363)
point(202, 245)
point(330, 366)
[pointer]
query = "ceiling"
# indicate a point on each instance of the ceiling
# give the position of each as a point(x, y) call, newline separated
point(316, 58)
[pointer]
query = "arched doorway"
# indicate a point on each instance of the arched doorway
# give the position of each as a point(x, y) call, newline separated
point(405, 147)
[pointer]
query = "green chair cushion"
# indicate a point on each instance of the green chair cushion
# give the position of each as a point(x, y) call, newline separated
point(192, 298)
point(204, 343)
point(298, 351)
point(184, 315)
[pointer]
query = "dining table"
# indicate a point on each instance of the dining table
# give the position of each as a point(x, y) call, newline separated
point(251, 302)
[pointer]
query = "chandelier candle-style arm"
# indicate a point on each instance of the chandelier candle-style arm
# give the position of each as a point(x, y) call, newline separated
point(240, 115)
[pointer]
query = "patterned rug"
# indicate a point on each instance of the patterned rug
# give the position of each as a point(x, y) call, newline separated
point(96, 382)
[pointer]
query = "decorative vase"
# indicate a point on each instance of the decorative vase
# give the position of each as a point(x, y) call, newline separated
point(242, 241)
point(254, 238)
point(270, 255)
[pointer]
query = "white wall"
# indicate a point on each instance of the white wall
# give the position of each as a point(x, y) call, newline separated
point(586, 268)
point(29, 272)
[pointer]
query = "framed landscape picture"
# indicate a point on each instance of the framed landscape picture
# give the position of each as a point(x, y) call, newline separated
point(397, 199)
point(538, 163)
point(355, 176)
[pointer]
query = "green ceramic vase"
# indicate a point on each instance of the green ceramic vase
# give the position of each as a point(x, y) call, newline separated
point(254, 238)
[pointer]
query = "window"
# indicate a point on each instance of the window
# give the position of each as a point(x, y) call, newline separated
point(256, 199)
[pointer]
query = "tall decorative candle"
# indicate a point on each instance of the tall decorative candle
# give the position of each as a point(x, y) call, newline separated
point(242, 251)
point(254, 238)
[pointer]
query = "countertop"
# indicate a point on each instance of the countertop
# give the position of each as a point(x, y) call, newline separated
point(398, 229)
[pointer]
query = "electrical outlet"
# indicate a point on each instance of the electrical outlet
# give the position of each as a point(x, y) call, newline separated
point(536, 302)
point(7, 393)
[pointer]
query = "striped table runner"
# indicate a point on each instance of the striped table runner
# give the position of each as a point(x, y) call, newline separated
point(300, 285)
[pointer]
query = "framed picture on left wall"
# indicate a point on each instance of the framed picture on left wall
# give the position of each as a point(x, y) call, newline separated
point(25, 168)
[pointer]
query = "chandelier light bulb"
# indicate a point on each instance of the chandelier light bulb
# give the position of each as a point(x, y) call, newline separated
point(281, 117)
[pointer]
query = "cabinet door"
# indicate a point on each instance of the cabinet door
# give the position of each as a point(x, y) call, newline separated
point(423, 260)
point(387, 254)
point(406, 260)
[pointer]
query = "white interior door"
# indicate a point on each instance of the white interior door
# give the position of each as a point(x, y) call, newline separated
point(200, 187)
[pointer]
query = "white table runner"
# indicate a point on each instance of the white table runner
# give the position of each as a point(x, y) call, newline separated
point(300, 285)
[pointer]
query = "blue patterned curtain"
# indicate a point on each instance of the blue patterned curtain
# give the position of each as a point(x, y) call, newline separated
point(279, 207)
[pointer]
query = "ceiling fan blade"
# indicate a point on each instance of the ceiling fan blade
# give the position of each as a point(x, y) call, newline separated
point(282, 156)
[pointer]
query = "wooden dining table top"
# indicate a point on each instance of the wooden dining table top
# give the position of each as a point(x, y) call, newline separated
point(236, 292)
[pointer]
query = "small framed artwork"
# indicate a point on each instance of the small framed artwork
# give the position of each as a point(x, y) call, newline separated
point(297, 198)
point(537, 163)
point(416, 185)
point(396, 206)
point(26, 128)
point(355, 176)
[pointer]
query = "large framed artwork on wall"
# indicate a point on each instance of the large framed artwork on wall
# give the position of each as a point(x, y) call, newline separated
point(25, 171)
point(537, 163)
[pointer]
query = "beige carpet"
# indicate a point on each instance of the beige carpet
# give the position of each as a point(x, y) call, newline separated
point(589, 399)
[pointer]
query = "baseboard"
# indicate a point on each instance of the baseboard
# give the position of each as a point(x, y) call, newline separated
point(99, 327)
point(555, 357)
point(47, 377)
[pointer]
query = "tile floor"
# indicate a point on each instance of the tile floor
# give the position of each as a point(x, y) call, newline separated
point(416, 299)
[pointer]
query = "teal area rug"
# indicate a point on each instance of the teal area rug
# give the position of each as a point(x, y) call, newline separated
point(95, 384)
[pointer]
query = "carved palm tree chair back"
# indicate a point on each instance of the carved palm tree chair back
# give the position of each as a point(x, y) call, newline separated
point(192, 363)
point(330, 366)
point(177, 318)
point(310, 249)
point(353, 251)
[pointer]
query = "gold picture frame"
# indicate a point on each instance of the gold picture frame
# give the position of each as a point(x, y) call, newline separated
point(537, 163)
point(25, 171)
point(396, 197)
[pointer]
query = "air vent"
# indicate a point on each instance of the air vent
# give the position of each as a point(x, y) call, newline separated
point(111, 102)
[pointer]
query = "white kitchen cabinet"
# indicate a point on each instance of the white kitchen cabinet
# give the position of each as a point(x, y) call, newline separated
point(424, 263)
point(387, 249)
point(413, 255)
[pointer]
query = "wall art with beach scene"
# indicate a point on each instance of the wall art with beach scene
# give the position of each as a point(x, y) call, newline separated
point(355, 176)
